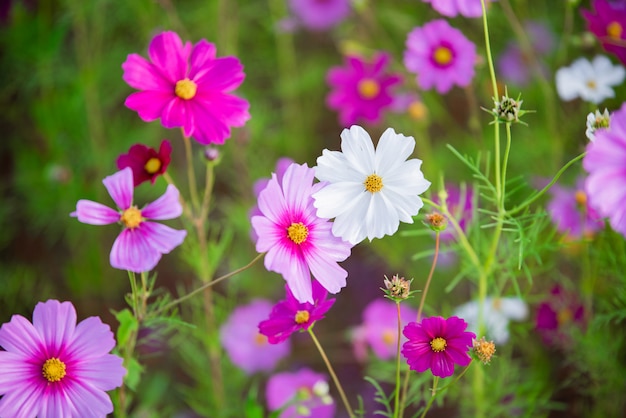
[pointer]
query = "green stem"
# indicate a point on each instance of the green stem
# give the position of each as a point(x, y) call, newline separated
point(432, 396)
point(505, 163)
point(333, 375)
point(396, 408)
point(430, 276)
point(191, 176)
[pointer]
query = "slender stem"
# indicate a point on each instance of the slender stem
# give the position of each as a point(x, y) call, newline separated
point(433, 392)
point(342, 394)
point(191, 176)
point(396, 409)
point(492, 72)
point(505, 162)
point(430, 276)
point(209, 284)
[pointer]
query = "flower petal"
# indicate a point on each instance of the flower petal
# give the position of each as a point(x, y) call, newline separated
point(165, 207)
point(120, 187)
point(55, 322)
point(141, 74)
point(161, 237)
point(132, 251)
point(167, 52)
point(94, 213)
point(150, 105)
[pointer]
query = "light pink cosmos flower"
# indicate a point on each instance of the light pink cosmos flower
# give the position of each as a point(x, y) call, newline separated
point(141, 243)
point(302, 393)
point(55, 367)
point(361, 89)
point(187, 86)
point(298, 242)
point(320, 14)
point(451, 8)
point(440, 55)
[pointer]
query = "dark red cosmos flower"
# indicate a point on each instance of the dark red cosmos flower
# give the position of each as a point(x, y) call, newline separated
point(607, 21)
point(146, 163)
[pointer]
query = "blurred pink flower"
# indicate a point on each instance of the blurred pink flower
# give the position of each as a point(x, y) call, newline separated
point(305, 391)
point(437, 344)
point(298, 242)
point(187, 86)
point(460, 203)
point(141, 243)
point(605, 162)
point(607, 21)
point(570, 211)
point(440, 55)
point(360, 89)
point(380, 327)
point(452, 8)
point(320, 14)
point(146, 163)
point(247, 348)
point(556, 316)
point(289, 315)
point(55, 367)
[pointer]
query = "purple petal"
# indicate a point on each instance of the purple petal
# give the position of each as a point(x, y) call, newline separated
point(202, 56)
point(94, 213)
point(105, 372)
point(20, 336)
point(167, 52)
point(16, 370)
point(165, 207)
point(132, 251)
point(140, 74)
point(441, 366)
point(23, 400)
point(92, 338)
point(120, 187)
point(223, 74)
point(161, 237)
point(87, 400)
point(149, 104)
point(55, 322)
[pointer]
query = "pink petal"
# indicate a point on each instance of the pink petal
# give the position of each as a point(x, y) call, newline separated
point(165, 207)
point(441, 366)
point(168, 54)
point(94, 213)
point(178, 113)
point(326, 270)
point(149, 104)
point(20, 336)
point(120, 187)
point(55, 403)
point(141, 74)
point(92, 338)
point(209, 127)
point(223, 74)
point(23, 401)
point(268, 233)
point(202, 55)
point(161, 237)
point(17, 370)
point(105, 372)
point(272, 202)
point(87, 401)
point(131, 251)
point(55, 322)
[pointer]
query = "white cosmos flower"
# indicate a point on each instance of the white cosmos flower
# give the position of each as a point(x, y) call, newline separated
point(370, 191)
point(497, 313)
point(597, 121)
point(591, 81)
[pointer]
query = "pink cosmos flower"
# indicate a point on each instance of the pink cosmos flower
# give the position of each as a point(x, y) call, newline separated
point(437, 344)
point(440, 55)
point(141, 243)
point(380, 327)
point(557, 315)
point(55, 367)
point(452, 8)
point(570, 211)
point(187, 86)
point(320, 14)
point(298, 242)
point(146, 163)
point(607, 21)
point(305, 391)
point(361, 90)
point(606, 164)
point(247, 348)
point(289, 315)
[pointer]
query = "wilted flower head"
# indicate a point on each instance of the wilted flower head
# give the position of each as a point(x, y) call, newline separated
point(597, 121)
point(141, 243)
point(484, 350)
point(186, 86)
point(592, 81)
point(247, 348)
point(398, 287)
point(303, 393)
point(146, 163)
point(436, 221)
point(320, 15)
point(607, 21)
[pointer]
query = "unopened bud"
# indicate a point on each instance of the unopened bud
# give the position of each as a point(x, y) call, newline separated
point(398, 287)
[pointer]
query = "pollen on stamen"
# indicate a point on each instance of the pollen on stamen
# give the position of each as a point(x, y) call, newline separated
point(131, 217)
point(153, 165)
point(53, 370)
point(438, 344)
point(302, 317)
point(373, 183)
point(297, 232)
point(186, 89)
point(368, 88)
point(614, 30)
point(442, 55)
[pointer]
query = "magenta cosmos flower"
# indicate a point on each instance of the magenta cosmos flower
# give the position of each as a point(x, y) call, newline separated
point(437, 344)
point(440, 55)
point(289, 315)
point(606, 164)
point(320, 14)
point(558, 315)
point(607, 21)
point(570, 211)
point(298, 242)
point(360, 89)
point(56, 368)
point(187, 86)
point(305, 391)
point(146, 163)
point(141, 243)
point(247, 348)
point(452, 8)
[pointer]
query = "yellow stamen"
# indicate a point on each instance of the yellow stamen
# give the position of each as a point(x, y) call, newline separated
point(614, 30)
point(438, 344)
point(153, 165)
point(260, 339)
point(297, 232)
point(368, 88)
point(389, 337)
point(373, 183)
point(302, 317)
point(442, 55)
point(131, 217)
point(53, 370)
point(186, 89)
point(417, 110)
point(564, 316)
point(581, 198)
point(591, 84)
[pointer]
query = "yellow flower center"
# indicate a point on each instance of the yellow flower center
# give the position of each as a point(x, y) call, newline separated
point(186, 89)
point(373, 183)
point(591, 84)
point(497, 304)
point(614, 30)
point(564, 316)
point(297, 232)
point(153, 165)
point(53, 370)
point(131, 217)
point(417, 110)
point(442, 55)
point(389, 337)
point(302, 317)
point(368, 88)
point(260, 339)
point(438, 344)
point(581, 198)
